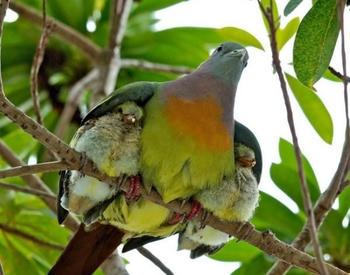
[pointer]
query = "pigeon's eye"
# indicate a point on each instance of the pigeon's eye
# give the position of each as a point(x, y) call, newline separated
point(219, 49)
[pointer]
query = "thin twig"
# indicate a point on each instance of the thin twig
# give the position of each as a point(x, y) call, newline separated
point(73, 101)
point(301, 173)
point(25, 170)
point(338, 74)
point(38, 59)
point(1, 270)
point(71, 36)
point(120, 10)
point(27, 190)
point(147, 254)
point(18, 233)
point(147, 65)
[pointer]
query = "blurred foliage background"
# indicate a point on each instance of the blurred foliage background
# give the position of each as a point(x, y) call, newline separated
point(64, 64)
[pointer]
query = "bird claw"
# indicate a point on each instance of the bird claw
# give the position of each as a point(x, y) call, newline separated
point(176, 218)
point(196, 207)
point(134, 188)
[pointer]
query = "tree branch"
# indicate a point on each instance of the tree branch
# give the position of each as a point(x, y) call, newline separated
point(16, 187)
point(147, 254)
point(38, 59)
point(147, 65)
point(73, 101)
point(34, 169)
point(301, 173)
point(326, 200)
point(119, 15)
point(26, 236)
point(71, 36)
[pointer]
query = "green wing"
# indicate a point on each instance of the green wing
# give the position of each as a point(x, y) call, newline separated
point(139, 92)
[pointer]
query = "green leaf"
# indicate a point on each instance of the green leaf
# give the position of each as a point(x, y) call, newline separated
point(344, 202)
point(153, 5)
point(285, 175)
point(328, 75)
point(240, 36)
point(272, 214)
point(192, 44)
point(315, 41)
point(235, 251)
point(283, 35)
point(313, 108)
point(291, 6)
point(259, 265)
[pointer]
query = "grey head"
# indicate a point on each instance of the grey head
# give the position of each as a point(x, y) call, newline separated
point(227, 62)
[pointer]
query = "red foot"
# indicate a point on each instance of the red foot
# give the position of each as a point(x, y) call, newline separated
point(176, 218)
point(195, 209)
point(134, 189)
point(246, 162)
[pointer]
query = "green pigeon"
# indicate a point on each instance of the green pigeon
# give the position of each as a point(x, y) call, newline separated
point(180, 140)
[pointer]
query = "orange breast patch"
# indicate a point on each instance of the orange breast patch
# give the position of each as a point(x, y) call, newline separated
point(201, 120)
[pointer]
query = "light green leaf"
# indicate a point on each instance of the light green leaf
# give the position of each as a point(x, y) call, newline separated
point(315, 41)
point(283, 35)
point(329, 76)
point(240, 36)
point(153, 5)
point(313, 108)
point(291, 6)
point(235, 251)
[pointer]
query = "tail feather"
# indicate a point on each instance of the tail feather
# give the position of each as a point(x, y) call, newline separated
point(86, 251)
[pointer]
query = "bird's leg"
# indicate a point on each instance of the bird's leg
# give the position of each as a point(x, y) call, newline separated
point(134, 188)
point(196, 207)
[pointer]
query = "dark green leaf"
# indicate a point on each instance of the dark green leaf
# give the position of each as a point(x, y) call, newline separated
point(272, 214)
point(285, 175)
point(315, 41)
point(183, 46)
point(344, 202)
point(291, 6)
point(235, 251)
point(259, 265)
point(313, 108)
